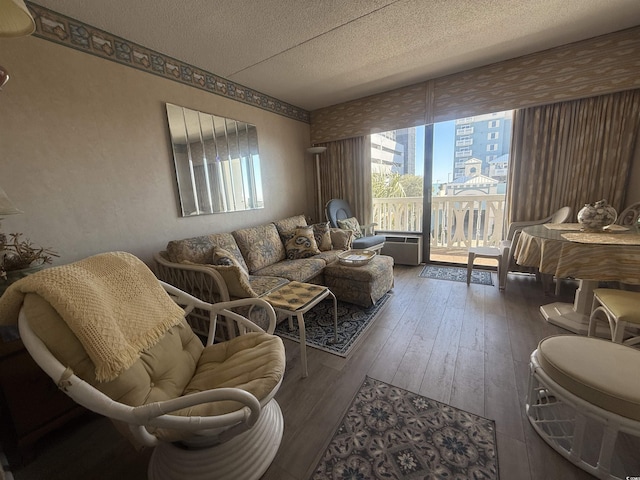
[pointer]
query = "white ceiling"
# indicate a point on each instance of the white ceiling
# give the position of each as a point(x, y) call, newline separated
point(315, 53)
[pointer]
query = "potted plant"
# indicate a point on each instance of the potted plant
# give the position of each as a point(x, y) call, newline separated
point(19, 257)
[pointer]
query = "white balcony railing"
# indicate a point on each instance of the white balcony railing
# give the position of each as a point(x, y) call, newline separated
point(456, 221)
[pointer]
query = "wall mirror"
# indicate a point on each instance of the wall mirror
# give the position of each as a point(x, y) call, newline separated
point(217, 162)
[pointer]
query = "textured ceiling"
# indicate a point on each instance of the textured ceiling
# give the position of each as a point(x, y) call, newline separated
point(315, 53)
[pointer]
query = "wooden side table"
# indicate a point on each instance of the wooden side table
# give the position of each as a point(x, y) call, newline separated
point(296, 299)
point(31, 405)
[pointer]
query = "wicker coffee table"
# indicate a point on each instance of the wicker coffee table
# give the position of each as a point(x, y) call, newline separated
point(296, 299)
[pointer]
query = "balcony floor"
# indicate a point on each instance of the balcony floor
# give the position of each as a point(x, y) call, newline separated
point(457, 255)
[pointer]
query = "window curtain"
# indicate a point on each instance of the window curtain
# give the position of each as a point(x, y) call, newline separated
point(345, 172)
point(572, 153)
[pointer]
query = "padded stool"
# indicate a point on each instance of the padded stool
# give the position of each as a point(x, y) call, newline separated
point(363, 285)
point(583, 392)
point(621, 309)
point(485, 252)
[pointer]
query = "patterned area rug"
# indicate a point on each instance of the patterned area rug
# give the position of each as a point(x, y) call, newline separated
point(353, 321)
point(457, 274)
point(390, 433)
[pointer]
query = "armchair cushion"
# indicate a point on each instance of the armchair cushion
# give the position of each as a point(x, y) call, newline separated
point(370, 241)
point(352, 224)
point(300, 243)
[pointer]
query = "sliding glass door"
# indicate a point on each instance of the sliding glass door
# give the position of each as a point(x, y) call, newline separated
point(469, 178)
point(443, 185)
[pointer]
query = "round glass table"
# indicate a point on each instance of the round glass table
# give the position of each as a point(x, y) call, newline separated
point(564, 251)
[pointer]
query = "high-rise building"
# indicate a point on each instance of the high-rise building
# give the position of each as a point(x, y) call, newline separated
point(387, 155)
point(407, 138)
point(485, 137)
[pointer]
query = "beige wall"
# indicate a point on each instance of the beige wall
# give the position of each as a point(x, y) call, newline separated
point(84, 152)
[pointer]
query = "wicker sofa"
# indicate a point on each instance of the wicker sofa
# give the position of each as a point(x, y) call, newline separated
point(267, 255)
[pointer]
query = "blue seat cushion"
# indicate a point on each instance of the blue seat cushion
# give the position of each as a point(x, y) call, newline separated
point(368, 242)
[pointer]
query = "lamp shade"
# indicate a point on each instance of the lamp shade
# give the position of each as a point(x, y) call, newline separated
point(15, 19)
point(6, 207)
point(4, 76)
point(316, 149)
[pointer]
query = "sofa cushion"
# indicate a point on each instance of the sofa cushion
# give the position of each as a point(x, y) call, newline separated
point(262, 284)
point(322, 236)
point(300, 270)
point(352, 224)
point(200, 249)
point(287, 224)
point(329, 256)
point(300, 243)
point(261, 246)
point(341, 239)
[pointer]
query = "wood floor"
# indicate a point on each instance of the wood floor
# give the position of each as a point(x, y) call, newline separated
point(467, 346)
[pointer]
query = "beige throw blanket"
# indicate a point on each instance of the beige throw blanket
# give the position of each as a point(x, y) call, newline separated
point(112, 302)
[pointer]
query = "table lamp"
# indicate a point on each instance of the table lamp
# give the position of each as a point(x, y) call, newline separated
point(6, 207)
point(15, 19)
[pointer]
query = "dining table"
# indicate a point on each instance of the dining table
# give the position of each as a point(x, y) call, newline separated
point(564, 250)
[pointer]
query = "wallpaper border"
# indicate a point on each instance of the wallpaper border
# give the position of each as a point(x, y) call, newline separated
point(59, 28)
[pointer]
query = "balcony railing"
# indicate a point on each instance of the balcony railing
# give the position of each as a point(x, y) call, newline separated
point(456, 221)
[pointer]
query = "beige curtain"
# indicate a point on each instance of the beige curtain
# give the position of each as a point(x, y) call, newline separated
point(572, 153)
point(345, 172)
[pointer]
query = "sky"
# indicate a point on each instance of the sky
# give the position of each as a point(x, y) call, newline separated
point(443, 147)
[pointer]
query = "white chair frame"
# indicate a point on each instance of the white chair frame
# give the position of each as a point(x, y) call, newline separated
point(617, 328)
point(560, 418)
point(240, 444)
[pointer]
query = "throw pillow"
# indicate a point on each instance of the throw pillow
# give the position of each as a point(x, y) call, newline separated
point(341, 239)
point(224, 257)
point(235, 277)
point(237, 281)
point(351, 224)
point(300, 243)
point(322, 236)
point(289, 223)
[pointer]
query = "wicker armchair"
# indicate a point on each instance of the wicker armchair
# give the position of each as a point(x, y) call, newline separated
point(208, 411)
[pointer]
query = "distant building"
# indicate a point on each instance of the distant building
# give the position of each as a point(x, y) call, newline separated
point(387, 155)
point(407, 138)
point(484, 137)
point(472, 182)
point(498, 167)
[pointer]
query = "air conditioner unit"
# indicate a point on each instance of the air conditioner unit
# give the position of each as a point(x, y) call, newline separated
point(405, 249)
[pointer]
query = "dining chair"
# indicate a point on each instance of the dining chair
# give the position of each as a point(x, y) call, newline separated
point(508, 245)
point(630, 216)
point(621, 312)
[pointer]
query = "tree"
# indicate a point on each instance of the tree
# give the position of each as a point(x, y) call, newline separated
point(386, 185)
point(394, 185)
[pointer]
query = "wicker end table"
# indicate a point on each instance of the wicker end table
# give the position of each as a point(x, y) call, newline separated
point(296, 299)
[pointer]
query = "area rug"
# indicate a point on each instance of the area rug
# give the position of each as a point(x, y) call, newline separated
point(456, 274)
point(353, 321)
point(391, 433)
